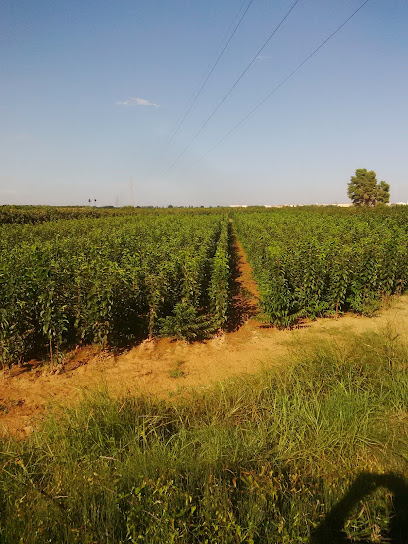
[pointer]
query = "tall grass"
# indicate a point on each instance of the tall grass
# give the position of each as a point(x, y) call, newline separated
point(262, 458)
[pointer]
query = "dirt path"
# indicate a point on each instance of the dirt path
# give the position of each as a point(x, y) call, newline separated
point(244, 291)
point(167, 368)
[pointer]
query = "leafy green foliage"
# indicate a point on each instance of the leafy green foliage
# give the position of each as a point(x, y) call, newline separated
point(110, 280)
point(185, 323)
point(318, 262)
point(42, 214)
point(219, 291)
point(116, 280)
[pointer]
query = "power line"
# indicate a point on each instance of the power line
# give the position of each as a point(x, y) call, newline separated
point(233, 86)
point(211, 70)
point(282, 82)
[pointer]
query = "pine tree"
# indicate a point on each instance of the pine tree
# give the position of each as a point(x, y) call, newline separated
point(364, 190)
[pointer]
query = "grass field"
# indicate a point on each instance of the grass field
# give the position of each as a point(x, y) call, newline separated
point(262, 458)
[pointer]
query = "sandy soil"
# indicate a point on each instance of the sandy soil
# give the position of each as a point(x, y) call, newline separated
point(168, 368)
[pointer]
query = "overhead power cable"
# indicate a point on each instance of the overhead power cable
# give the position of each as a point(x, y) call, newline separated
point(283, 82)
point(233, 86)
point(175, 131)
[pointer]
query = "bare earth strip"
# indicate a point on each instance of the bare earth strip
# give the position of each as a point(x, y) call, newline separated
point(169, 368)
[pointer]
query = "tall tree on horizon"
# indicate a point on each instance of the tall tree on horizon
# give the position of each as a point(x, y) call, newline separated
point(365, 190)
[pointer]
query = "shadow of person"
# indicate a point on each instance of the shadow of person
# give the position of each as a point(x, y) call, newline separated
point(331, 529)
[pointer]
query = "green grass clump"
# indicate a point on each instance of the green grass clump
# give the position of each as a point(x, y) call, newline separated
point(281, 456)
point(176, 370)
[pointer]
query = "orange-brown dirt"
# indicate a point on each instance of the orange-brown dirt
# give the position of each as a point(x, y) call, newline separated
point(168, 368)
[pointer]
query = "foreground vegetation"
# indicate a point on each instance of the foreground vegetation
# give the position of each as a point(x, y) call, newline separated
point(292, 455)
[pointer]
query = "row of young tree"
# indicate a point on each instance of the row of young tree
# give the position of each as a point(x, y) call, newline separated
point(41, 214)
point(115, 280)
point(317, 262)
point(111, 280)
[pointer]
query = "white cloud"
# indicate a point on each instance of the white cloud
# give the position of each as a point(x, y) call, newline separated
point(134, 101)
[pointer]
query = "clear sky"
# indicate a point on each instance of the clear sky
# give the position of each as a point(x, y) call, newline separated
point(91, 90)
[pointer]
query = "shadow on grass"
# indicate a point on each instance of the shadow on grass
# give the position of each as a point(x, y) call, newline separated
point(330, 531)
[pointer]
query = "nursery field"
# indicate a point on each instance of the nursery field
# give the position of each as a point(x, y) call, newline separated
point(111, 280)
point(305, 439)
point(118, 279)
point(323, 261)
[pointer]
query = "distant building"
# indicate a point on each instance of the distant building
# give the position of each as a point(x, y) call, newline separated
point(238, 205)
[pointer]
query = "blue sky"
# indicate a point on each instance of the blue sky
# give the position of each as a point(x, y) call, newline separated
point(91, 91)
